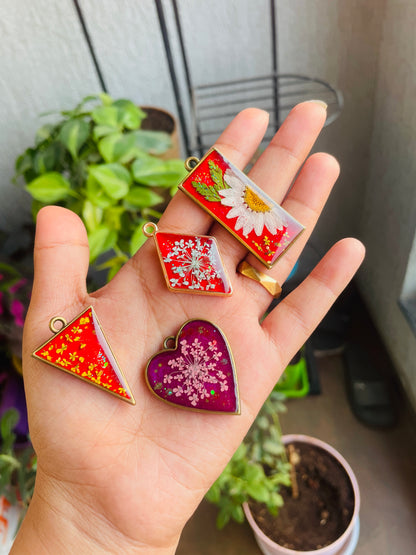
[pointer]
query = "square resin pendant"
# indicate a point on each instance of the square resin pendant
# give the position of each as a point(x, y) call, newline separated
point(81, 349)
point(190, 263)
point(197, 372)
point(238, 204)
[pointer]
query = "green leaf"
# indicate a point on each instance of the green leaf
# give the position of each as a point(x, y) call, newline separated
point(213, 495)
point(73, 135)
point(137, 240)
point(92, 215)
point(258, 491)
point(210, 193)
point(8, 422)
point(254, 472)
point(112, 217)
point(101, 240)
point(153, 142)
point(161, 173)
point(118, 147)
point(106, 115)
point(97, 195)
point(46, 159)
point(103, 130)
point(262, 422)
point(272, 447)
point(43, 133)
point(49, 188)
point(141, 197)
point(130, 115)
point(238, 514)
point(113, 178)
point(106, 99)
point(223, 518)
point(240, 452)
point(216, 175)
point(8, 459)
point(24, 162)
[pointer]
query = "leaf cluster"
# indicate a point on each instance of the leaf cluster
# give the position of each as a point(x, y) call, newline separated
point(257, 469)
point(210, 192)
point(17, 470)
point(98, 162)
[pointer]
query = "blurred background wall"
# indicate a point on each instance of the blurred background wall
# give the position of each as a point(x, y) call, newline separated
point(365, 49)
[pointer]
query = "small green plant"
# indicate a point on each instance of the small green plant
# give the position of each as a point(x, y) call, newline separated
point(257, 469)
point(17, 470)
point(97, 161)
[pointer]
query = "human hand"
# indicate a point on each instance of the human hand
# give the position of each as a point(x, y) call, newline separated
point(118, 478)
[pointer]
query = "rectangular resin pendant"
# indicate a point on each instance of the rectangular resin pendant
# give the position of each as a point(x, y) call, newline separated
point(238, 204)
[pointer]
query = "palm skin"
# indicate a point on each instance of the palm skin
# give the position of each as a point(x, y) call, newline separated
point(118, 478)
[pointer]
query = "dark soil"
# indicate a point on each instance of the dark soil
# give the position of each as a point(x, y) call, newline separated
point(323, 509)
point(157, 120)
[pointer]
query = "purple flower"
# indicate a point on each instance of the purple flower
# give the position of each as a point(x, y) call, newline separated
point(14, 288)
point(17, 309)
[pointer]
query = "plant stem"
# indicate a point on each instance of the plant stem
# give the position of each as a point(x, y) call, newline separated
point(294, 460)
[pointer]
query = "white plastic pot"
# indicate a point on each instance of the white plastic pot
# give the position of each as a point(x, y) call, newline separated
point(346, 543)
point(9, 520)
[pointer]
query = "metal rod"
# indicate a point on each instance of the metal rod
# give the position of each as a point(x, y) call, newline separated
point(187, 72)
point(174, 80)
point(267, 97)
point(90, 46)
point(295, 77)
point(274, 64)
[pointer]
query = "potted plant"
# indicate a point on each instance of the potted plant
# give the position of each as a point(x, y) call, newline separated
point(305, 499)
point(258, 469)
point(17, 478)
point(100, 161)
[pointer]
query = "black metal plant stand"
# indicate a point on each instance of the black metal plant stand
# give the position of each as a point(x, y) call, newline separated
point(214, 104)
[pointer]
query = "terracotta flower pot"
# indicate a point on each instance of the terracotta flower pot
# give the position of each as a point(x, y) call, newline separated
point(162, 120)
point(346, 543)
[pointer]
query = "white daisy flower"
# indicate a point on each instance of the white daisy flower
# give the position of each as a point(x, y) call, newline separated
point(251, 210)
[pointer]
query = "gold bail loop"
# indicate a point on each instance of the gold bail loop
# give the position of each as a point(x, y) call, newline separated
point(191, 163)
point(149, 229)
point(55, 320)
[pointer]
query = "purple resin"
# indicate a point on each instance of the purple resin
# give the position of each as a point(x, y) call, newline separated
point(199, 373)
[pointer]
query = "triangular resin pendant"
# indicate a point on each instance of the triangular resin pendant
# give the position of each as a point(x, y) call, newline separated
point(198, 372)
point(190, 263)
point(81, 349)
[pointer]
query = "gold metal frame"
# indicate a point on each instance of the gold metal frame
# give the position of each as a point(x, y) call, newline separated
point(60, 319)
point(221, 222)
point(175, 338)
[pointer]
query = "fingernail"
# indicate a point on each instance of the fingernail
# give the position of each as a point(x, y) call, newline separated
point(320, 102)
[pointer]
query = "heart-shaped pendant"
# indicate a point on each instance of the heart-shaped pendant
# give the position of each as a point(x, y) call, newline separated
point(198, 372)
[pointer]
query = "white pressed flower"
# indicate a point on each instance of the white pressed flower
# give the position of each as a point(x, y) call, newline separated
point(252, 210)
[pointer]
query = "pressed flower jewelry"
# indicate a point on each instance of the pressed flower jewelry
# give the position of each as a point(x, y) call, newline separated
point(239, 205)
point(190, 263)
point(197, 372)
point(81, 349)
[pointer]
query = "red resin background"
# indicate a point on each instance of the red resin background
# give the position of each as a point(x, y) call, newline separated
point(76, 349)
point(166, 242)
point(267, 247)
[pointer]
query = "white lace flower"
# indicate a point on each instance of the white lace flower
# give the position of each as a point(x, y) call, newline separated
point(251, 210)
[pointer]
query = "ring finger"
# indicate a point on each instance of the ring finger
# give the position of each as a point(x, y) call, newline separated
point(304, 202)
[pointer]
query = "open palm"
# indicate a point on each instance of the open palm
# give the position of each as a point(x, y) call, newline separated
point(119, 478)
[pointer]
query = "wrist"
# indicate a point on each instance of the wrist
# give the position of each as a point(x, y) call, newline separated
point(58, 521)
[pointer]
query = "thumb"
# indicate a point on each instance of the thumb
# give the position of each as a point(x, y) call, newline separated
point(61, 256)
